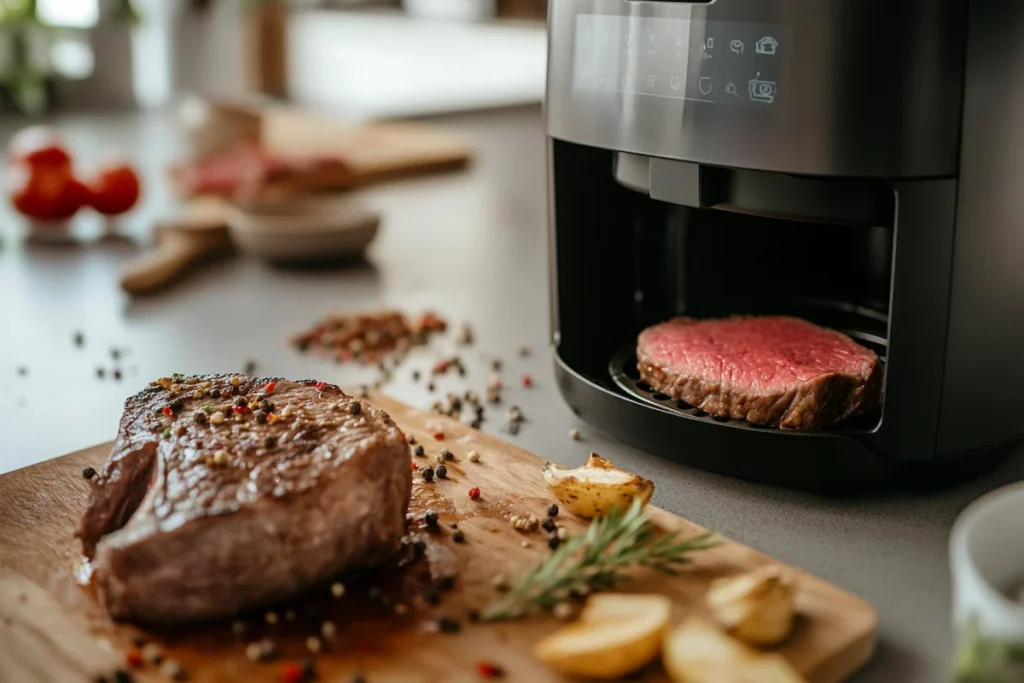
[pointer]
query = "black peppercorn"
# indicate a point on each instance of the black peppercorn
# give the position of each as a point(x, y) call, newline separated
point(100, 373)
point(447, 454)
point(458, 536)
point(473, 616)
point(554, 541)
point(448, 625)
point(496, 364)
point(428, 473)
point(432, 596)
point(430, 517)
point(419, 546)
point(240, 401)
point(552, 510)
point(267, 406)
point(117, 375)
point(177, 404)
point(115, 353)
point(442, 472)
point(355, 408)
point(260, 416)
point(88, 473)
point(411, 439)
point(430, 386)
point(418, 450)
point(446, 583)
point(215, 393)
point(78, 339)
point(548, 525)
point(415, 375)
point(200, 417)
point(122, 676)
point(476, 424)
point(270, 442)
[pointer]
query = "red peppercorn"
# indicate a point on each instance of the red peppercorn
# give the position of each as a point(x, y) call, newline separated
point(489, 670)
point(133, 659)
point(269, 387)
point(441, 367)
point(414, 465)
point(527, 381)
point(321, 385)
point(293, 673)
point(474, 492)
point(439, 436)
point(240, 410)
point(167, 411)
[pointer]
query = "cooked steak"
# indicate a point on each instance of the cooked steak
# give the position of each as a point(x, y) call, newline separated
point(775, 371)
point(224, 493)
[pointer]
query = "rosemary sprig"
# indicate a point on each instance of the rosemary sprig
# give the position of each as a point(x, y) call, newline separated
point(597, 560)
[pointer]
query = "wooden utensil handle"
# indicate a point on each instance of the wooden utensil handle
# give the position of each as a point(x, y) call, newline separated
point(175, 253)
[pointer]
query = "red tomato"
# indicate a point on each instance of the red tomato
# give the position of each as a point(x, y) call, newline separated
point(115, 189)
point(38, 145)
point(45, 193)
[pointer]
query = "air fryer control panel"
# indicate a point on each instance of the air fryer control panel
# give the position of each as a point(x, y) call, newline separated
point(727, 63)
point(852, 88)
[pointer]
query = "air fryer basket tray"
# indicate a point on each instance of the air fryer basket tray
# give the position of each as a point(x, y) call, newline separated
point(624, 373)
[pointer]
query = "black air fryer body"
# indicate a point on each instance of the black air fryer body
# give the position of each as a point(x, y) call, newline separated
point(858, 163)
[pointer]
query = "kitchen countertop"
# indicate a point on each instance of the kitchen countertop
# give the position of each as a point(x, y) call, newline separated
point(473, 247)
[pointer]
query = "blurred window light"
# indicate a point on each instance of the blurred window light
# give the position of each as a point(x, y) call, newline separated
point(70, 13)
point(72, 58)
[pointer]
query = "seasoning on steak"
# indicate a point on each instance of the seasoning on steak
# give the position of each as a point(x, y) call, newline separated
point(197, 517)
point(776, 371)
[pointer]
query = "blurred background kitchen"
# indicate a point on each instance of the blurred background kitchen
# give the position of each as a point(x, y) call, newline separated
point(189, 183)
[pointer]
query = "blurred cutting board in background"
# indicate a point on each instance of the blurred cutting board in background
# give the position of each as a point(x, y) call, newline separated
point(292, 150)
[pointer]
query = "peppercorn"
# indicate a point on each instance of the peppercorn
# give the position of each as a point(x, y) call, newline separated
point(474, 456)
point(267, 406)
point(215, 393)
point(122, 676)
point(549, 525)
point(418, 451)
point(88, 473)
point(496, 365)
point(270, 442)
point(489, 670)
point(240, 401)
point(474, 492)
point(477, 423)
point(523, 351)
point(180, 430)
point(458, 536)
point(441, 472)
point(446, 583)
point(430, 386)
point(134, 659)
point(415, 375)
point(514, 414)
point(430, 517)
point(260, 416)
point(419, 547)
point(439, 436)
point(552, 510)
point(411, 439)
point(527, 381)
point(448, 625)
point(447, 454)
point(355, 408)
point(428, 473)
point(432, 596)
point(100, 373)
point(473, 616)
point(554, 541)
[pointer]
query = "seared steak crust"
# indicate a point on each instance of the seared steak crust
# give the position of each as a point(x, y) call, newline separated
point(194, 517)
point(771, 371)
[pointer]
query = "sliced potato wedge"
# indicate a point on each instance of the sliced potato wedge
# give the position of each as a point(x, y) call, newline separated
point(614, 636)
point(700, 652)
point(758, 607)
point(596, 488)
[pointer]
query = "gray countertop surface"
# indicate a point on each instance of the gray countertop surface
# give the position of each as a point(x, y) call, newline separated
point(473, 247)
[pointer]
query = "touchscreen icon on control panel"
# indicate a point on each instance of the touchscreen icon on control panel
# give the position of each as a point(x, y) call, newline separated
point(767, 46)
point(761, 91)
point(730, 89)
point(704, 85)
point(652, 80)
point(736, 46)
point(676, 82)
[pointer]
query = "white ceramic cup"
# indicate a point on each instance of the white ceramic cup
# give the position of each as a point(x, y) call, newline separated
point(986, 552)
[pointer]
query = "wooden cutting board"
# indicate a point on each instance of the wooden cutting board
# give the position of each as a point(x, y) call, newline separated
point(51, 628)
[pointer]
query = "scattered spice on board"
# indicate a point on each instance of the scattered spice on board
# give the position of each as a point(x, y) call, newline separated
point(574, 434)
point(441, 471)
point(527, 381)
point(489, 670)
point(474, 492)
point(88, 473)
point(448, 625)
point(474, 456)
point(78, 339)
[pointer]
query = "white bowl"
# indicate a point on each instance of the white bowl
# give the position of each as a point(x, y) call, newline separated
point(986, 552)
point(314, 227)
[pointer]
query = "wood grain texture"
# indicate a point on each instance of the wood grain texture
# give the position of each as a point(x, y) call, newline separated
point(53, 630)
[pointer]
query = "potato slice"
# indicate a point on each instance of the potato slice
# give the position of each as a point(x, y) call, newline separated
point(596, 488)
point(614, 636)
point(758, 607)
point(699, 652)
